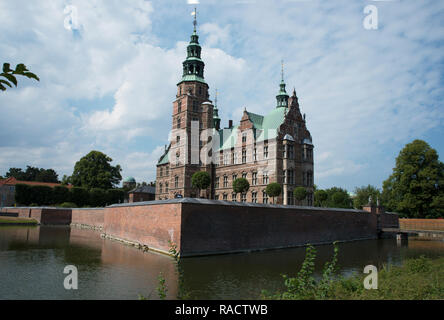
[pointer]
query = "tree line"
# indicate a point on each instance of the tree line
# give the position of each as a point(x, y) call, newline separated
point(61, 196)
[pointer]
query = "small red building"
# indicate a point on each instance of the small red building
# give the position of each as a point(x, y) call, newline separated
point(142, 193)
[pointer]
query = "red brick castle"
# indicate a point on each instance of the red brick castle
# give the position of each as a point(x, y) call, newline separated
point(276, 147)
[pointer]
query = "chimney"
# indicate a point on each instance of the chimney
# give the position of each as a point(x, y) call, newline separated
point(230, 124)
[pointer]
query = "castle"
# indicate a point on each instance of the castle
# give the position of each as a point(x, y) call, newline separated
point(276, 147)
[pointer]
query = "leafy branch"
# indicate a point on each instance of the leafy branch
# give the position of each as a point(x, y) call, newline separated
point(9, 75)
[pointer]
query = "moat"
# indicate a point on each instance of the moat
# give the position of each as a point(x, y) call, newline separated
point(32, 260)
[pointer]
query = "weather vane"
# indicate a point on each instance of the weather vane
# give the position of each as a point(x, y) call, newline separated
point(282, 69)
point(194, 13)
point(215, 99)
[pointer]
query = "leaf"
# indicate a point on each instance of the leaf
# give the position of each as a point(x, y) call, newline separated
point(6, 67)
point(5, 82)
point(20, 68)
point(11, 78)
point(31, 75)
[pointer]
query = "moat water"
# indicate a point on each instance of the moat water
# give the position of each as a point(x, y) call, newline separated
point(32, 260)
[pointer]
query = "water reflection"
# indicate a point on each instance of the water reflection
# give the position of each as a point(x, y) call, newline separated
point(32, 260)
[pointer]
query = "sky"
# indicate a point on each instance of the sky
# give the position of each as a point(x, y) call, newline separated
point(108, 72)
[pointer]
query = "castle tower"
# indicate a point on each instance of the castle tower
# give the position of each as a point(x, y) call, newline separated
point(192, 113)
point(282, 97)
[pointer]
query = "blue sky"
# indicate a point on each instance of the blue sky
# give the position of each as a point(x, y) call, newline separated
point(108, 82)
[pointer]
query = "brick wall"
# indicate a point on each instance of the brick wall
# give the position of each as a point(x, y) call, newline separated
point(200, 226)
point(422, 224)
point(88, 217)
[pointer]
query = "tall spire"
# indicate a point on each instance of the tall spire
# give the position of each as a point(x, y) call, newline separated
point(282, 97)
point(194, 13)
point(193, 66)
point(216, 119)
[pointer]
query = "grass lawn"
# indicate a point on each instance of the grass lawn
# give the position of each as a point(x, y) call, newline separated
point(17, 221)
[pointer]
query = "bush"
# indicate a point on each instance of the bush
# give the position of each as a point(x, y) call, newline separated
point(241, 185)
point(60, 194)
point(97, 197)
point(23, 194)
point(79, 196)
point(42, 195)
point(115, 196)
point(273, 190)
point(300, 193)
point(201, 180)
point(67, 205)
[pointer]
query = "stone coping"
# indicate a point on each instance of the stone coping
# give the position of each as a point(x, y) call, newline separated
point(207, 202)
point(55, 208)
point(231, 204)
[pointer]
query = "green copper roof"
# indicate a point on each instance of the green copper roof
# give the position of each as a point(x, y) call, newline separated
point(165, 158)
point(192, 77)
point(264, 127)
point(129, 179)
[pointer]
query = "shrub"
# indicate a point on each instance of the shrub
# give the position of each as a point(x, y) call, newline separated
point(80, 196)
point(67, 205)
point(115, 196)
point(23, 194)
point(201, 180)
point(60, 194)
point(42, 195)
point(300, 193)
point(274, 189)
point(241, 185)
point(97, 197)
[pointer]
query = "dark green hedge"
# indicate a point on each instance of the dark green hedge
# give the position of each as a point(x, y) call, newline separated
point(42, 195)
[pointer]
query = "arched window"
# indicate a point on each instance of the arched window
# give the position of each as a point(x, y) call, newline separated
point(178, 122)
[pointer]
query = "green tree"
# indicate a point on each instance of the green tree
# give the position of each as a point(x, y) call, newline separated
point(362, 195)
point(415, 189)
point(300, 193)
point(273, 189)
point(241, 185)
point(338, 198)
point(200, 180)
point(95, 171)
point(320, 197)
point(9, 78)
point(33, 174)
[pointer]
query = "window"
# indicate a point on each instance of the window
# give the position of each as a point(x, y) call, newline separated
point(310, 199)
point(200, 90)
point(234, 177)
point(265, 178)
point(176, 182)
point(179, 106)
point(178, 122)
point(255, 154)
point(216, 197)
point(178, 139)
point(160, 171)
point(216, 183)
point(233, 197)
point(226, 159)
point(195, 106)
point(244, 156)
point(225, 196)
point(290, 198)
point(167, 171)
point(290, 177)
point(290, 151)
point(244, 197)
point(244, 175)
point(265, 152)
point(166, 187)
point(244, 138)
point(254, 197)
point(225, 182)
point(177, 159)
point(264, 197)
point(254, 179)
point(160, 188)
